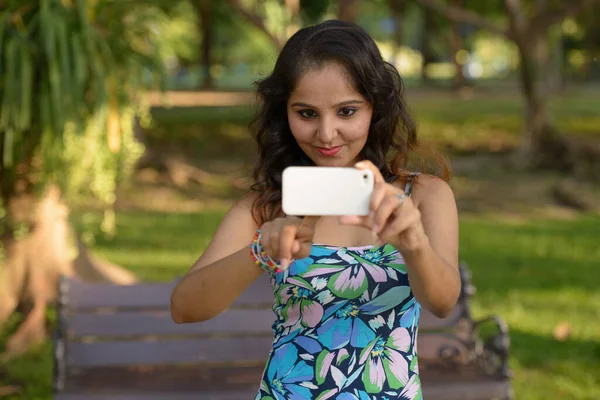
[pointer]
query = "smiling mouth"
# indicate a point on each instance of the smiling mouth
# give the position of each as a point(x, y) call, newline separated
point(329, 152)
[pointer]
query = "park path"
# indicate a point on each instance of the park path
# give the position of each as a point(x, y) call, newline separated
point(181, 98)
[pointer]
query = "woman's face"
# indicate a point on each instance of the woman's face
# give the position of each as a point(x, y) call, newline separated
point(328, 118)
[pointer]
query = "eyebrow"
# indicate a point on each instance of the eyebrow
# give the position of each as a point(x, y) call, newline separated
point(343, 103)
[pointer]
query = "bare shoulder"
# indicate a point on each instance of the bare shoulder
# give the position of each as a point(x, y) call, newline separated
point(431, 190)
point(245, 203)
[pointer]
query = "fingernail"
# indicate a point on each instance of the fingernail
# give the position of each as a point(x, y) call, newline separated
point(283, 263)
point(375, 229)
point(359, 164)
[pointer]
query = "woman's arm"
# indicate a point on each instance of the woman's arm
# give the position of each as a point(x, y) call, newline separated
point(424, 229)
point(223, 272)
point(433, 265)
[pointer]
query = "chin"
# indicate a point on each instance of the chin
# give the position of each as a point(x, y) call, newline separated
point(330, 162)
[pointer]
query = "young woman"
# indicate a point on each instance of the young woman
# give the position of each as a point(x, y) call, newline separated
point(346, 309)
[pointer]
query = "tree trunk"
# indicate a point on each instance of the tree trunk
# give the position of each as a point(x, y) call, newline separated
point(206, 30)
point(457, 44)
point(542, 146)
point(348, 10)
point(425, 46)
point(397, 9)
point(33, 264)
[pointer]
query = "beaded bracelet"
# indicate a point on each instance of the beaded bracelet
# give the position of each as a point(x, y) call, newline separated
point(260, 257)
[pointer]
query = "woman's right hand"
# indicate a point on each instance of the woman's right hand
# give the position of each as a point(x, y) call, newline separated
point(287, 238)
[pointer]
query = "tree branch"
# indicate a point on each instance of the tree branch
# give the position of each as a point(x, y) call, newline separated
point(463, 16)
point(255, 20)
point(545, 20)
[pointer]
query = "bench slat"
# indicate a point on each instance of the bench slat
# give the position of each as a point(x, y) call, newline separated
point(86, 295)
point(431, 347)
point(428, 321)
point(484, 389)
point(198, 351)
point(240, 322)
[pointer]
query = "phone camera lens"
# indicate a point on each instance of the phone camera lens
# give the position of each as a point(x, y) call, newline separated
point(365, 176)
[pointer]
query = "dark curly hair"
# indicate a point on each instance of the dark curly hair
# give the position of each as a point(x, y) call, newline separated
point(392, 126)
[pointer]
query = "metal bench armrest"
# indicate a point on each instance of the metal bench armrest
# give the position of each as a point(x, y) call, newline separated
point(495, 347)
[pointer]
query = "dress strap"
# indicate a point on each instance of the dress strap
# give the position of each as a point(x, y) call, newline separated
point(409, 184)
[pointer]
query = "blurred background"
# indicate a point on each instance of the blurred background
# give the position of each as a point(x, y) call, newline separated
point(124, 139)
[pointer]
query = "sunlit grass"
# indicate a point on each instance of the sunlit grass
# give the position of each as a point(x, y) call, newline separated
point(534, 273)
point(484, 122)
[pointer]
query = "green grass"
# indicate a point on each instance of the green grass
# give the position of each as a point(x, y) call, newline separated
point(534, 274)
point(485, 122)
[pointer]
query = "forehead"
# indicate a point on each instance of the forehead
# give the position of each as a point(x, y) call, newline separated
point(326, 85)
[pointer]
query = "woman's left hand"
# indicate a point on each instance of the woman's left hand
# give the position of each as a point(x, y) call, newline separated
point(394, 218)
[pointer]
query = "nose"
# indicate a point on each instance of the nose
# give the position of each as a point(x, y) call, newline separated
point(327, 130)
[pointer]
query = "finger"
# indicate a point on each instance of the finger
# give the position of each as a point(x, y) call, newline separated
point(286, 242)
point(352, 220)
point(265, 241)
point(399, 224)
point(387, 207)
point(366, 164)
point(304, 250)
point(309, 221)
point(273, 249)
point(379, 192)
point(304, 233)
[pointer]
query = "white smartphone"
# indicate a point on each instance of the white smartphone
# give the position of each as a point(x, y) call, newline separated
point(326, 191)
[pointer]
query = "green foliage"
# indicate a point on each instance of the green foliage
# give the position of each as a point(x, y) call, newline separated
point(313, 10)
point(72, 73)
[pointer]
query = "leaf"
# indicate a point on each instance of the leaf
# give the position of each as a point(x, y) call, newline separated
point(352, 361)
point(298, 281)
point(7, 152)
point(391, 320)
point(26, 87)
point(386, 301)
point(327, 394)
point(309, 385)
point(323, 365)
point(354, 375)
point(307, 357)
point(347, 285)
point(338, 377)
point(375, 292)
point(65, 68)
point(376, 322)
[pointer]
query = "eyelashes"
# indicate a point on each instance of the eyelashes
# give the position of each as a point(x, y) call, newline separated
point(344, 112)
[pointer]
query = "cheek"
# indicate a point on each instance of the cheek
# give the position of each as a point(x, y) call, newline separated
point(301, 130)
point(358, 130)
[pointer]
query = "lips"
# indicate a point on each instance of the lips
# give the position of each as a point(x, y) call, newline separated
point(329, 152)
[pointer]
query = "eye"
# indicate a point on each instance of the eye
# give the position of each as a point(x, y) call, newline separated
point(307, 114)
point(347, 112)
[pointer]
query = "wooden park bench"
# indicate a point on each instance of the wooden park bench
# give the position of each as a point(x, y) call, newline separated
point(119, 342)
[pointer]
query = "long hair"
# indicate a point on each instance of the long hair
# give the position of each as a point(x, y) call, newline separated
point(392, 133)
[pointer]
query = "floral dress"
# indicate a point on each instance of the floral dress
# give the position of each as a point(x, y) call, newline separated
point(345, 328)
